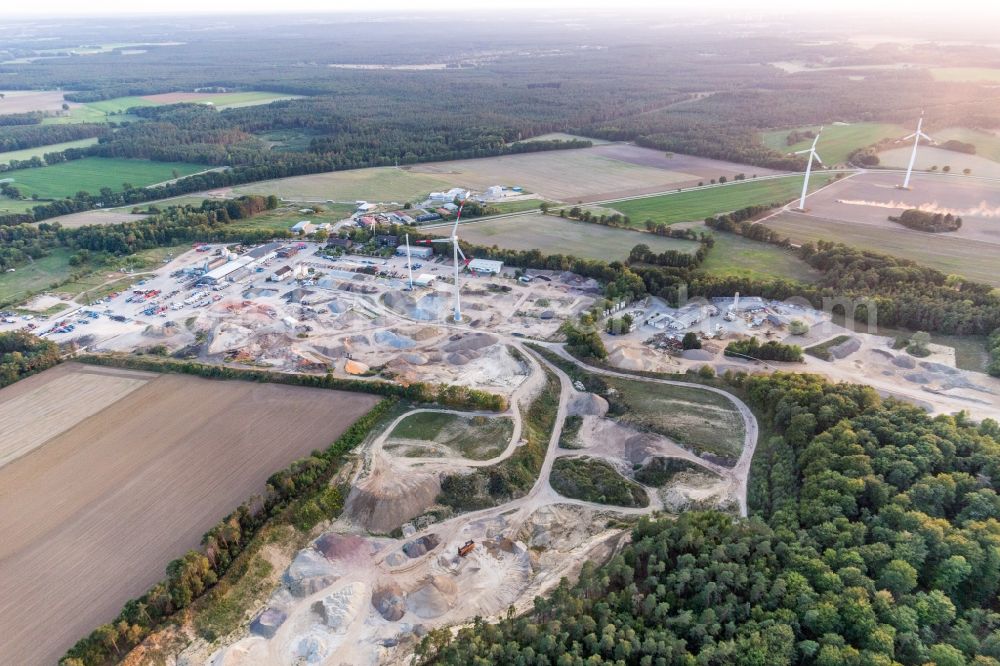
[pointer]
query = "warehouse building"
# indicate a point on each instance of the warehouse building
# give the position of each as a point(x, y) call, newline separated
point(486, 266)
point(416, 252)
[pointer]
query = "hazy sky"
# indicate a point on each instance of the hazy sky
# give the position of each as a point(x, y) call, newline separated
point(969, 9)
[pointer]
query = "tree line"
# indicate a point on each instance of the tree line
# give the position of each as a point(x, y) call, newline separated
point(873, 539)
point(772, 350)
point(23, 354)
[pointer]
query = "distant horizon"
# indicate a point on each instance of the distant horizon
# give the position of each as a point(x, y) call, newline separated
point(905, 10)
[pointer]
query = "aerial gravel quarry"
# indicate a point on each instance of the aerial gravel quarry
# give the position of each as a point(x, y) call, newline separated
point(448, 514)
point(426, 539)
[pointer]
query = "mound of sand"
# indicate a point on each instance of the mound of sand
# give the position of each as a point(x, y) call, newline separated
point(388, 600)
point(387, 498)
point(424, 333)
point(846, 348)
point(468, 343)
point(414, 358)
point(588, 404)
point(297, 295)
point(393, 339)
point(229, 336)
point(697, 355)
point(421, 546)
point(340, 608)
point(904, 361)
point(352, 367)
point(640, 447)
point(338, 306)
point(309, 573)
point(435, 597)
point(342, 546)
point(267, 623)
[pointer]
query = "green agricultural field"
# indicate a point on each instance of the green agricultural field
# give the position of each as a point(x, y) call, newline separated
point(436, 434)
point(735, 255)
point(555, 235)
point(283, 219)
point(964, 74)
point(34, 277)
point(15, 205)
point(28, 153)
point(969, 258)
point(836, 141)
point(696, 205)
point(92, 173)
point(697, 419)
point(239, 99)
point(987, 144)
point(118, 104)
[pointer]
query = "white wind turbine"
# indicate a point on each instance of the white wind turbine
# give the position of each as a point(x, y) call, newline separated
point(409, 263)
point(457, 251)
point(812, 154)
point(916, 136)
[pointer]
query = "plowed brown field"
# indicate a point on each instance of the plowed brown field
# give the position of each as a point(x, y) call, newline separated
point(91, 517)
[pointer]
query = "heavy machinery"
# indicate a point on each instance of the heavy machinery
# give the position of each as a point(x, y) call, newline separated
point(467, 548)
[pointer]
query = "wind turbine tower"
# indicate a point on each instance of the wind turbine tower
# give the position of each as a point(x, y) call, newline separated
point(812, 155)
point(457, 252)
point(409, 264)
point(916, 136)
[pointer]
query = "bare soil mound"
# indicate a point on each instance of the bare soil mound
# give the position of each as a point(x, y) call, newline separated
point(388, 600)
point(469, 343)
point(388, 498)
point(845, 348)
point(342, 546)
point(697, 355)
point(588, 404)
point(435, 597)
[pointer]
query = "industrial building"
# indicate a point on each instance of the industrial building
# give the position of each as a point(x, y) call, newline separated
point(486, 266)
point(423, 280)
point(305, 227)
point(282, 273)
point(226, 270)
point(416, 252)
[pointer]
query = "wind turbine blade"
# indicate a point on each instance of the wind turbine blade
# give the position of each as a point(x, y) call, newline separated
point(816, 156)
point(907, 138)
point(438, 240)
point(802, 152)
point(462, 254)
point(924, 136)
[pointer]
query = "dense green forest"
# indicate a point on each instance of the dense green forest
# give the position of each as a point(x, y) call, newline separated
point(875, 540)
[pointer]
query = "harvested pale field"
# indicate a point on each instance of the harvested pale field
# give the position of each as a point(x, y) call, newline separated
point(552, 234)
point(29, 418)
point(375, 184)
point(929, 156)
point(606, 171)
point(231, 100)
point(971, 259)
point(92, 517)
point(870, 198)
point(25, 101)
point(586, 174)
point(97, 216)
